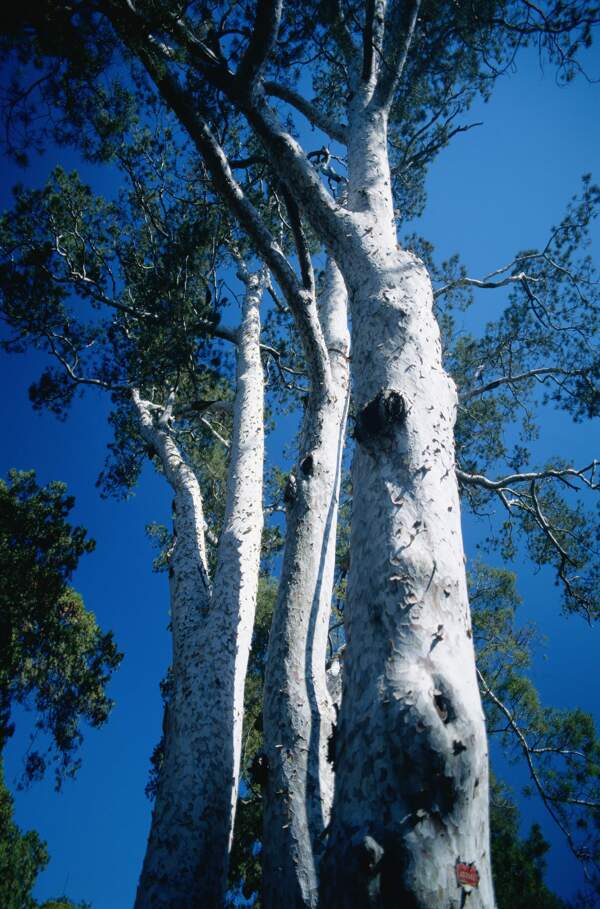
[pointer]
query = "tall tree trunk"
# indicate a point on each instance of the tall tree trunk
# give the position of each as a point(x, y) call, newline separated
point(231, 620)
point(411, 791)
point(298, 713)
point(186, 860)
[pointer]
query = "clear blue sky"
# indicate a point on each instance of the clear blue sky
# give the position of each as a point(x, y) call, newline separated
point(496, 190)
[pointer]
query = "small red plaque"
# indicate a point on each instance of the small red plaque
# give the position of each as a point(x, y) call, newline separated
point(467, 875)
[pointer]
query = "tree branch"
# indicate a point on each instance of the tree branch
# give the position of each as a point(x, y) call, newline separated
point(483, 283)
point(400, 27)
point(319, 119)
point(302, 306)
point(370, 34)
point(72, 374)
point(262, 42)
point(474, 479)
point(547, 799)
point(332, 13)
point(520, 377)
point(304, 257)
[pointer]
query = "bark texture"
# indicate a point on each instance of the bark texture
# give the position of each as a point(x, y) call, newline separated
point(298, 712)
point(411, 792)
point(186, 860)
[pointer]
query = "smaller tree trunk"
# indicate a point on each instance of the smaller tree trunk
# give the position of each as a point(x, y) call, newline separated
point(187, 856)
point(298, 713)
point(169, 864)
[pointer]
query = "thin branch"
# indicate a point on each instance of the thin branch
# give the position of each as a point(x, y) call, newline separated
point(484, 283)
point(434, 146)
point(322, 121)
point(520, 377)
point(400, 29)
point(475, 479)
point(73, 375)
point(215, 432)
point(546, 798)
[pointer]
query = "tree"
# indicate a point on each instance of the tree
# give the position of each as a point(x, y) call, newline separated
point(53, 655)
point(22, 857)
point(410, 810)
point(53, 658)
point(104, 252)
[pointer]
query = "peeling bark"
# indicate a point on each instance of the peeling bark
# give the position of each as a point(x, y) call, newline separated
point(298, 712)
point(186, 860)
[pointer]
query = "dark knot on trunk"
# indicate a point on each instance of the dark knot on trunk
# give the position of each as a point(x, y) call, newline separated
point(379, 420)
point(307, 466)
point(259, 770)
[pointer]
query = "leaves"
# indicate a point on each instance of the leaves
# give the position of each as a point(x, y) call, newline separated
point(53, 656)
point(560, 748)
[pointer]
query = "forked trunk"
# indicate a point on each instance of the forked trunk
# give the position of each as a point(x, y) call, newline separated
point(186, 860)
point(298, 713)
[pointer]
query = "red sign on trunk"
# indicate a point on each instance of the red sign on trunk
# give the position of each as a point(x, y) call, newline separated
point(467, 875)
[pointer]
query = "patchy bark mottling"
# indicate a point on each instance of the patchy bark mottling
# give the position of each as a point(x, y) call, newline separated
point(298, 712)
point(411, 791)
point(192, 825)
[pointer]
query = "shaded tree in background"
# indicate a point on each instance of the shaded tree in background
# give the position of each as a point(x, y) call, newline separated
point(54, 658)
point(22, 857)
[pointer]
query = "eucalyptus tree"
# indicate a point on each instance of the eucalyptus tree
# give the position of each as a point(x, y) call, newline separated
point(154, 269)
point(150, 272)
point(409, 818)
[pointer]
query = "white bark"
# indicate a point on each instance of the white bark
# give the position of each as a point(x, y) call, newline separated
point(236, 579)
point(411, 778)
point(298, 712)
point(187, 856)
point(411, 796)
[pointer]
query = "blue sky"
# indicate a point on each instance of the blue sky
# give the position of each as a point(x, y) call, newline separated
point(497, 189)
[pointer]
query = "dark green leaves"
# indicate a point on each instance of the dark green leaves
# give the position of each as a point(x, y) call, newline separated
point(53, 656)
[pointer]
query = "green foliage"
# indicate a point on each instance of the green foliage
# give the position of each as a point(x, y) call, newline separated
point(518, 864)
point(22, 857)
point(560, 748)
point(63, 903)
point(53, 656)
